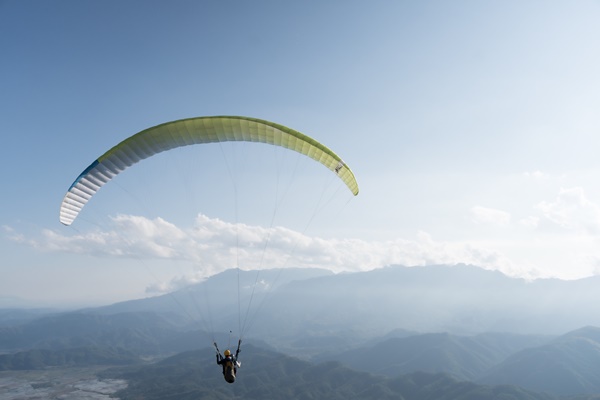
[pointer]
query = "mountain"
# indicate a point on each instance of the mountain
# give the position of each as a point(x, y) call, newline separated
point(568, 365)
point(463, 357)
point(369, 321)
point(284, 305)
point(17, 316)
point(80, 356)
point(145, 333)
point(270, 375)
point(289, 305)
point(459, 299)
point(217, 300)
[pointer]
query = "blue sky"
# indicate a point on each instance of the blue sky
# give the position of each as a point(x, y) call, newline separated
point(472, 128)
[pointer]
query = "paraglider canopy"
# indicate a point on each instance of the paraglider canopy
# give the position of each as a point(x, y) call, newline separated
point(191, 131)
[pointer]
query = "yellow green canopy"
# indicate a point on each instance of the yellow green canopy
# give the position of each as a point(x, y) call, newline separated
point(190, 131)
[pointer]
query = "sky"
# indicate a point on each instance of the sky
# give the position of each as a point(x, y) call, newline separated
point(471, 126)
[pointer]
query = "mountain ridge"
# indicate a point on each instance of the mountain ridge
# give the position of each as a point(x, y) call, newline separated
point(400, 312)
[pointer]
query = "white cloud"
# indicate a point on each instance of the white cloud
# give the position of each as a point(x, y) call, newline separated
point(537, 174)
point(214, 245)
point(130, 236)
point(490, 216)
point(530, 222)
point(572, 211)
point(12, 234)
point(174, 284)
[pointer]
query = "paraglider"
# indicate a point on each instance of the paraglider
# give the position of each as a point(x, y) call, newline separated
point(229, 362)
point(190, 131)
point(185, 132)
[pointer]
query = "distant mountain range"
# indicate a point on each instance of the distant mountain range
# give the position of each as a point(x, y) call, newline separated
point(392, 323)
point(567, 365)
point(457, 299)
point(463, 357)
point(268, 375)
point(73, 357)
point(564, 365)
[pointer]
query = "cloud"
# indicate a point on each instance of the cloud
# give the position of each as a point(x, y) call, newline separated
point(572, 211)
point(13, 235)
point(537, 175)
point(530, 222)
point(174, 284)
point(491, 216)
point(214, 245)
point(130, 236)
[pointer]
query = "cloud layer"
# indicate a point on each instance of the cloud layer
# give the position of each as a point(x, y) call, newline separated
point(559, 238)
point(214, 245)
